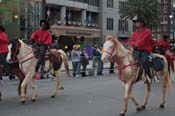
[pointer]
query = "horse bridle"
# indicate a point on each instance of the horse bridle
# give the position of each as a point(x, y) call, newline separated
point(110, 52)
point(113, 49)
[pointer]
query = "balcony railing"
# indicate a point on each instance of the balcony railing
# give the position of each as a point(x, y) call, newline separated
point(78, 24)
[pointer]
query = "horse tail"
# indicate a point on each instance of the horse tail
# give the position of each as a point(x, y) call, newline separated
point(65, 60)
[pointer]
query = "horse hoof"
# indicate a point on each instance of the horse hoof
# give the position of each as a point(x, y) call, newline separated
point(121, 114)
point(143, 107)
point(23, 101)
point(53, 96)
point(162, 106)
point(138, 109)
point(61, 88)
point(33, 100)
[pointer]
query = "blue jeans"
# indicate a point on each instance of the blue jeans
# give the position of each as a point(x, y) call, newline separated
point(41, 60)
point(97, 59)
point(144, 59)
point(76, 68)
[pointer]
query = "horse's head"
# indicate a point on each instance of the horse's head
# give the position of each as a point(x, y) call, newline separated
point(13, 46)
point(109, 48)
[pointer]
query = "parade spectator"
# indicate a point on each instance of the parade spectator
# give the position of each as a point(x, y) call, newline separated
point(142, 42)
point(97, 59)
point(84, 60)
point(41, 40)
point(75, 55)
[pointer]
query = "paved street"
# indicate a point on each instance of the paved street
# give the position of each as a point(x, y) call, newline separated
point(89, 96)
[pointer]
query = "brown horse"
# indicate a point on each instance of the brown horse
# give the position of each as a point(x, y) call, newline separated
point(25, 56)
point(128, 72)
point(15, 70)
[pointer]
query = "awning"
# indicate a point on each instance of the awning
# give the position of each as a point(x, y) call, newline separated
point(75, 31)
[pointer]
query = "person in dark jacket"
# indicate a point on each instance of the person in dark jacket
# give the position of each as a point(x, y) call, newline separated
point(84, 61)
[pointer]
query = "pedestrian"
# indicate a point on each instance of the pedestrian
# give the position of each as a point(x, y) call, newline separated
point(142, 42)
point(75, 55)
point(4, 49)
point(97, 52)
point(41, 39)
point(84, 61)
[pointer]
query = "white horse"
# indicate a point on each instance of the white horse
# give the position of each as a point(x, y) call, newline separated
point(128, 71)
point(24, 54)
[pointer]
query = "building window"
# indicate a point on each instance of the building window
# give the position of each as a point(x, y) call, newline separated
point(165, 1)
point(165, 18)
point(122, 5)
point(93, 2)
point(123, 25)
point(165, 27)
point(110, 3)
point(165, 9)
point(158, 36)
point(110, 23)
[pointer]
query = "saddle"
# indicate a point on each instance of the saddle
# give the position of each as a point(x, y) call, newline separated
point(51, 55)
point(156, 64)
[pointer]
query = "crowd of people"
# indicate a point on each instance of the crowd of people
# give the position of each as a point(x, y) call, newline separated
point(80, 59)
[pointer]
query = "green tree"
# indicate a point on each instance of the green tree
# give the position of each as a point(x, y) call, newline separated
point(149, 9)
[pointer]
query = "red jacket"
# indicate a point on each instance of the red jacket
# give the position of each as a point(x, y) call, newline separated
point(42, 36)
point(163, 44)
point(3, 42)
point(142, 40)
point(170, 56)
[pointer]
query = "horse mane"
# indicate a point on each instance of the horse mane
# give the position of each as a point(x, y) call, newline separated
point(23, 43)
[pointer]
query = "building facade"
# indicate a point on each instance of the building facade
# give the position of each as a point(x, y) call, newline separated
point(75, 21)
point(165, 20)
point(86, 21)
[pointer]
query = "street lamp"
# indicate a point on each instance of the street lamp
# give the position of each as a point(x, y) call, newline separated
point(172, 24)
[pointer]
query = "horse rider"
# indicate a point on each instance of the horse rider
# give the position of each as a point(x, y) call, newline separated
point(41, 39)
point(163, 44)
point(4, 48)
point(142, 42)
